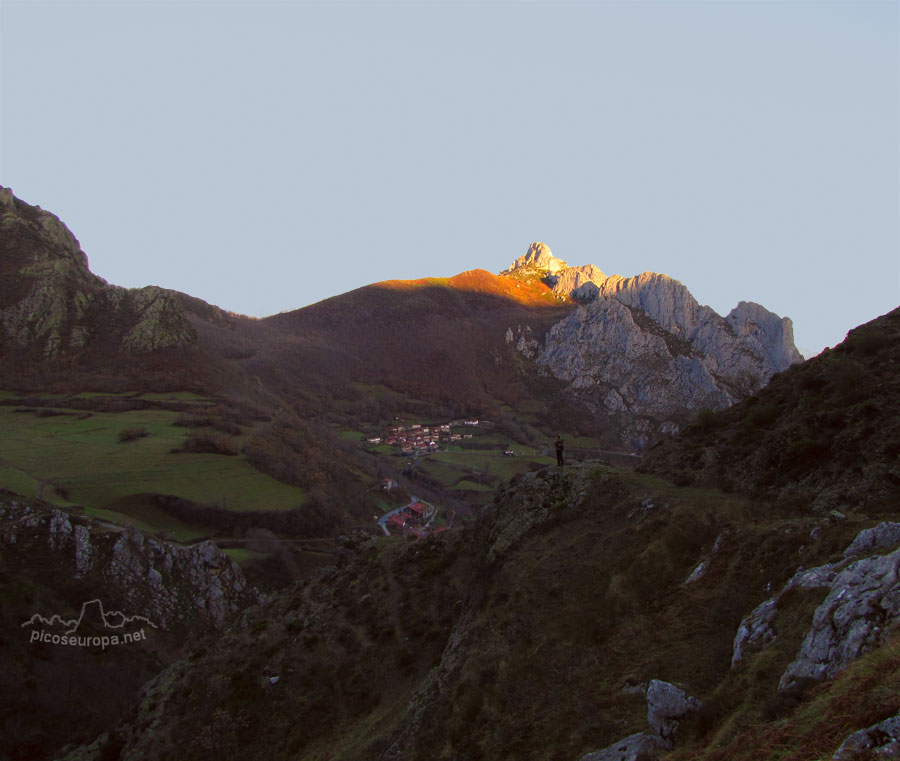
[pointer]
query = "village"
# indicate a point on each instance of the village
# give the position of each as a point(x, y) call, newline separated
point(418, 518)
point(416, 439)
point(413, 519)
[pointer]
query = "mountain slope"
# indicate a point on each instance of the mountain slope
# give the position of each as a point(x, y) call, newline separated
point(639, 353)
point(823, 435)
point(540, 630)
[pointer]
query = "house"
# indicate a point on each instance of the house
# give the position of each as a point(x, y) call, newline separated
point(416, 507)
point(396, 520)
point(373, 440)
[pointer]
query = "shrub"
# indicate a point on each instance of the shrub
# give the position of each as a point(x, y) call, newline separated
point(707, 419)
point(762, 414)
point(209, 443)
point(132, 434)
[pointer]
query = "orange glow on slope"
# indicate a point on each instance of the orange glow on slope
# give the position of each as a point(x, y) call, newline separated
point(534, 293)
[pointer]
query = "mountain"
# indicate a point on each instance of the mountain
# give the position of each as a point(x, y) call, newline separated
point(642, 354)
point(639, 353)
point(733, 597)
point(589, 613)
point(822, 435)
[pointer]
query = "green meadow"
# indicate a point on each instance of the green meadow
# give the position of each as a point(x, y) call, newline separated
point(76, 458)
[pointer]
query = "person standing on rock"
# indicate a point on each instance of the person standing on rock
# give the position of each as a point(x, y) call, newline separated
point(559, 444)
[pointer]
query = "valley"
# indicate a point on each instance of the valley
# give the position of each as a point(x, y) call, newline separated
point(348, 528)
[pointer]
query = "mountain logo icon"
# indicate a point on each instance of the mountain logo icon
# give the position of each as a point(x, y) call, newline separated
point(113, 623)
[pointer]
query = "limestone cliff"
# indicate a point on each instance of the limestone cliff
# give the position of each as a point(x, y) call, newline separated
point(644, 352)
point(171, 585)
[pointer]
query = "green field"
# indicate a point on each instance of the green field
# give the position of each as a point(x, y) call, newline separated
point(242, 555)
point(77, 458)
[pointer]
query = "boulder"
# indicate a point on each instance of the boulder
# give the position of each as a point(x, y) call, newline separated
point(882, 536)
point(881, 740)
point(667, 705)
point(637, 747)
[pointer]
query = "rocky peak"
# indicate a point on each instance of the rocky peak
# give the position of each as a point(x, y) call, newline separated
point(538, 257)
point(643, 352)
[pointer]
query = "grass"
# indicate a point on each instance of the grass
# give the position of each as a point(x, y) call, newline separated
point(82, 456)
point(867, 692)
point(348, 435)
point(241, 555)
point(467, 485)
point(140, 512)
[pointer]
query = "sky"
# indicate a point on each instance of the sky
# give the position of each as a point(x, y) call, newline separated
point(267, 155)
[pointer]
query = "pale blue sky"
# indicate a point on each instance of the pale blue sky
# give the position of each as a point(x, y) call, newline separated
point(264, 156)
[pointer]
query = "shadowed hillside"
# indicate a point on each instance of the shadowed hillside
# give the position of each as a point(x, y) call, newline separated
point(544, 629)
point(821, 435)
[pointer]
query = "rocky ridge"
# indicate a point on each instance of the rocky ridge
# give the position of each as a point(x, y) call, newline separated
point(643, 352)
point(171, 585)
point(56, 305)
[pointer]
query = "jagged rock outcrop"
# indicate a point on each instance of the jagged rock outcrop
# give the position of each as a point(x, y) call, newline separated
point(542, 496)
point(862, 601)
point(642, 351)
point(624, 366)
point(881, 740)
point(667, 706)
point(883, 535)
point(52, 302)
point(538, 258)
point(756, 631)
point(169, 584)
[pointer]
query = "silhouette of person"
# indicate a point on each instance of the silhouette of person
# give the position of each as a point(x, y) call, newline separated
point(560, 445)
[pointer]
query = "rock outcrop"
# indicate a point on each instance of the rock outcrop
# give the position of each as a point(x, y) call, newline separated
point(643, 352)
point(538, 258)
point(881, 740)
point(878, 537)
point(56, 305)
point(169, 584)
point(641, 746)
point(862, 602)
point(667, 706)
point(542, 497)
